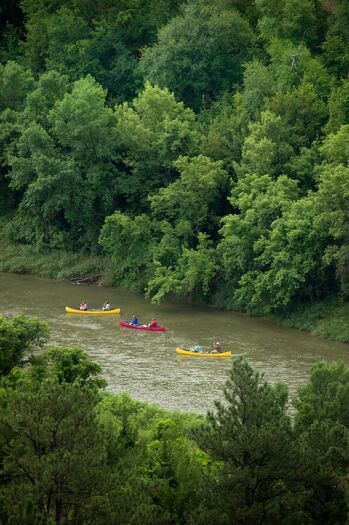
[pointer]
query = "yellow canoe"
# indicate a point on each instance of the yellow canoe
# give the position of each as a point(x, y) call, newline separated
point(182, 351)
point(92, 312)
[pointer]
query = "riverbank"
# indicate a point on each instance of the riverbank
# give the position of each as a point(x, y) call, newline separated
point(61, 265)
point(328, 318)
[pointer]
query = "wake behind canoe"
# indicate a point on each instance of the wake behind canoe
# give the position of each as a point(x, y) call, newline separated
point(92, 312)
point(183, 351)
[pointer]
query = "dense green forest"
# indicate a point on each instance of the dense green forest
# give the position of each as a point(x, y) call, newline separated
point(201, 146)
point(73, 454)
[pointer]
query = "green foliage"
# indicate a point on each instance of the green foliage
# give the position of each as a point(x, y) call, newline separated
point(327, 318)
point(192, 275)
point(267, 148)
point(51, 428)
point(17, 336)
point(303, 111)
point(332, 208)
point(296, 257)
point(62, 166)
point(50, 88)
point(24, 511)
point(131, 243)
point(338, 107)
point(339, 19)
point(151, 134)
point(325, 396)
point(251, 435)
point(336, 55)
point(15, 83)
point(174, 472)
point(288, 259)
point(279, 249)
point(196, 196)
point(93, 160)
point(86, 132)
point(71, 365)
point(260, 201)
point(77, 51)
point(293, 64)
point(296, 20)
point(158, 461)
point(223, 129)
point(321, 423)
point(258, 86)
point(199, 54)
point(135, 23)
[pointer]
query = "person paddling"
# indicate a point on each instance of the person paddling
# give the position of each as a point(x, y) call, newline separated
point(134, 321)
point(217, 348)
point(196, 348)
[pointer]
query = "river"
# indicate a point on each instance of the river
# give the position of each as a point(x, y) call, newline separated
point(145, 363)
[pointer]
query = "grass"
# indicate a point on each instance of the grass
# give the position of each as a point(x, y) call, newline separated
point(328, 318)
point(55, 264)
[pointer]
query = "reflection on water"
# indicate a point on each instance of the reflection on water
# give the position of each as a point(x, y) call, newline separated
point(145, 363)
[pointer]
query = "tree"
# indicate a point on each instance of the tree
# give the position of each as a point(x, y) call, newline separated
point(135, 22)
point(188, 212)
point(266, 149)
point(86, 133)
point(324, 397)
point(50, 88)
point(63, 166)
point(339, 19)
point(322, 430)
point(251, 436)
point(296, 20)
point(17, 336)
point(223, 128)
point(305, 252)
point(52, 448)
point(338, 107)
point(130, 242)
point(15, 84)
point(77, 51)
point(174, 471)
point(151, 134)
point(260, 201)
point(292, 64)
point(259, 85)
point(303, 111)
point(332, 217)
point(191, 272)
point(287, 261)
point(157, 463)
point(72, 365)
point(199, 54)
point(335, 55)
point(197, 196)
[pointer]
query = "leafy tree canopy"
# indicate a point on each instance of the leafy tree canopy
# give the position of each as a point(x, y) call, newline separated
point(199, 54)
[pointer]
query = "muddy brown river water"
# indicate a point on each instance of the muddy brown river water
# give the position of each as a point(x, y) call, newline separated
point(145, 363)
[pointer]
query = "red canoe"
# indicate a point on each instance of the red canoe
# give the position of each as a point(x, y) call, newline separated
point(143, 327)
